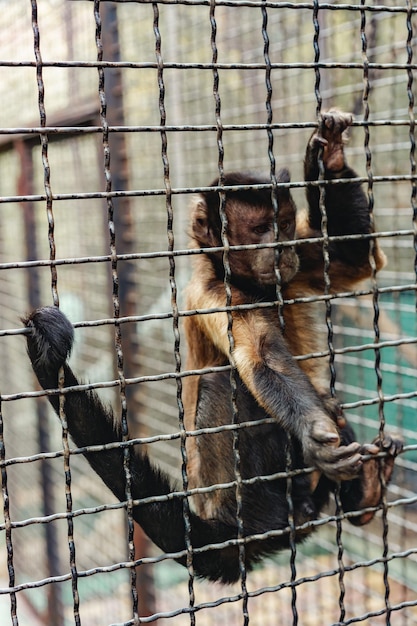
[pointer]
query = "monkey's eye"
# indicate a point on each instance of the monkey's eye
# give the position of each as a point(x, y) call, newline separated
point(285, 225)
point(261, 229)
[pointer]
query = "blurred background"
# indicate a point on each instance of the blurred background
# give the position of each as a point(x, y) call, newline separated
point(160, 73)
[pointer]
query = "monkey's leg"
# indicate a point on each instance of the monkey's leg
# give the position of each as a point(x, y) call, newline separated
point(366, 490)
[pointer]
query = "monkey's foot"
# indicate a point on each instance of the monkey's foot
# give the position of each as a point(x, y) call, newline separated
point(329, 134)
point(376, 473)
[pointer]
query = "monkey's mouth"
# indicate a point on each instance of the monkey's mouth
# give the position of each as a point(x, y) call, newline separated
point(285, 272)
point(268, 277)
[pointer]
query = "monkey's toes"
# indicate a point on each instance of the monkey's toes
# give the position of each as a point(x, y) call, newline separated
point(392, 446)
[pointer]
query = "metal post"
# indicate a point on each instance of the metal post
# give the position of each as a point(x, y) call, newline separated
point(128, 287)
point(25, 187)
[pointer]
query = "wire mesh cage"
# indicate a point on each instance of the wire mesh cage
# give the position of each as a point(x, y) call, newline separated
point(114, 114)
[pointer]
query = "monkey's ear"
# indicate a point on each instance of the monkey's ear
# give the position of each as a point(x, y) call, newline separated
point(200, 227)
point(284, 176)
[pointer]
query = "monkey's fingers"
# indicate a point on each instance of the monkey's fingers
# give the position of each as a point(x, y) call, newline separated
point(322, 430)
point(370, 448)
point(323, 435)
point(343, 463)
point(334, 410)
point(333, 123)
point(337, 463)
point(329, 134)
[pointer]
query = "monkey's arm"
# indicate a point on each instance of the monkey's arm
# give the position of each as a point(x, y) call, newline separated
point(268, 370)
point(347, 211)
point(90, 423)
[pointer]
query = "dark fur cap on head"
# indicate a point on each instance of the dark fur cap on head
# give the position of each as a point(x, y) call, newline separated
point(252, 197)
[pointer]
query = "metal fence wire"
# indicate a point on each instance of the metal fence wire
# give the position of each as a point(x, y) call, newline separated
point(113, 115)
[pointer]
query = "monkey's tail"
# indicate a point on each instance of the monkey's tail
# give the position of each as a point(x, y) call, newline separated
point(90, 423)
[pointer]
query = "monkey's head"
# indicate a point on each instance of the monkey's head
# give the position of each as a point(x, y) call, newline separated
point(250, 220)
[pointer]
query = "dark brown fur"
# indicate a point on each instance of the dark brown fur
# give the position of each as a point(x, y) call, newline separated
point(269, 381)
point(262, 351)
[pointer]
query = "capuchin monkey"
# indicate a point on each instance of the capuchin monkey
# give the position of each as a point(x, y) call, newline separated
point(306, 424)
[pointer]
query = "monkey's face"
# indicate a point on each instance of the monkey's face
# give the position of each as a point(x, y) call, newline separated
point(248, 224)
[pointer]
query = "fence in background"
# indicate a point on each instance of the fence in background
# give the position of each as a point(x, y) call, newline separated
point(272, 66)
